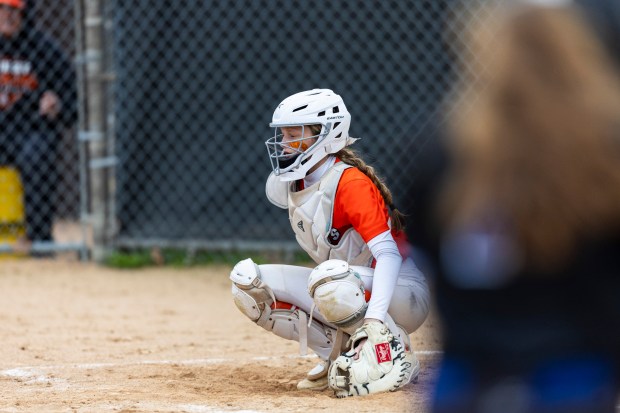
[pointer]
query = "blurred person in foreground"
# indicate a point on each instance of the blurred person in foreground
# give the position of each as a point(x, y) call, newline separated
point(525, 228)
point(37, 100)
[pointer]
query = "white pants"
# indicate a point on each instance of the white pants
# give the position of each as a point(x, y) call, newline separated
point(408, 308)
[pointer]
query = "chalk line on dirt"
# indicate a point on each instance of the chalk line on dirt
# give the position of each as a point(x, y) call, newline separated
point(36, 373)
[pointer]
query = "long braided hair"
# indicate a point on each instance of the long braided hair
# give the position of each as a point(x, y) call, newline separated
point(350, 157)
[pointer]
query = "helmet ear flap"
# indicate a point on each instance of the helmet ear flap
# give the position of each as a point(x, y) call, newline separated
point(342, 139)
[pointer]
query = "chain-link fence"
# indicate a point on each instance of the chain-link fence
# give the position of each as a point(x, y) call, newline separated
point(166, 105)
point(144, 120)
point(197, 83)
point(39, 166)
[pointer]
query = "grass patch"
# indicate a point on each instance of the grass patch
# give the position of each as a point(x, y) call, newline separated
point(174, 257)
point(134, 259)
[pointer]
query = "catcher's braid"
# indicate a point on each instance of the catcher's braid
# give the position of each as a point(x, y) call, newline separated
point(350, 157)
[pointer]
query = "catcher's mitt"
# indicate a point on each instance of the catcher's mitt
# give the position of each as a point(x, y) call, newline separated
point(383, 364)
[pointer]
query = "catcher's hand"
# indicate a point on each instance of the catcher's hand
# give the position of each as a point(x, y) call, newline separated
point(376, 362)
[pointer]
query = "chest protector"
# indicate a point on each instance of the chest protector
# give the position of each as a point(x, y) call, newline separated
point(310, 212)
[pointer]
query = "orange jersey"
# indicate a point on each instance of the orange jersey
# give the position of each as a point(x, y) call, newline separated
point(359, 204)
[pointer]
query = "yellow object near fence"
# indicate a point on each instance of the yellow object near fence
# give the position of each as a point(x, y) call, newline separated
point(12, 214)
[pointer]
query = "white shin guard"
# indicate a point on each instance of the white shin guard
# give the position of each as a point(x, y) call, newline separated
point(256, 300)
point(291, 324)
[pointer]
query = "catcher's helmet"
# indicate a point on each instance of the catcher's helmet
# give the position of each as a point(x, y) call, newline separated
point(312, 107)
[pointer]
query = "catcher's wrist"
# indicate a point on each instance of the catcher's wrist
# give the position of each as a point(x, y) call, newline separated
point(372, 320)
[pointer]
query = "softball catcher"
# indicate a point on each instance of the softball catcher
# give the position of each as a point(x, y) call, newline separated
point(357, 307)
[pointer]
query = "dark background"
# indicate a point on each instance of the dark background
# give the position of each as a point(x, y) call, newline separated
point(197, 83)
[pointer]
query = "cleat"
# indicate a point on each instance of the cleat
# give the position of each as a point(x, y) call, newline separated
point(316, 379)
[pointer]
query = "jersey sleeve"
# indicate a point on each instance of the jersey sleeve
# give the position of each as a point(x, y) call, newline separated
point(385, 251)
point(359, 203)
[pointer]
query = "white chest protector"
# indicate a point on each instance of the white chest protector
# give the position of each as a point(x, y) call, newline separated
point(310, 212)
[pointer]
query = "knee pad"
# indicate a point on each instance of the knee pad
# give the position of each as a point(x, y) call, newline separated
point(251, 295)
point(256, 300)
point(339, 295)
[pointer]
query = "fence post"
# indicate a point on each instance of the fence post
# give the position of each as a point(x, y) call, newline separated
point(95, 124)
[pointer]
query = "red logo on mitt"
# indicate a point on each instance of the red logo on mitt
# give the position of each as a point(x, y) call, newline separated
point(383, 352)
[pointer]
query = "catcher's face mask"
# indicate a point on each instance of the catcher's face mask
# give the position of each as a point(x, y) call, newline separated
point(287, 144)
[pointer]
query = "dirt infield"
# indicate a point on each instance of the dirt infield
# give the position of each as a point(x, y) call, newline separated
point(82, 338)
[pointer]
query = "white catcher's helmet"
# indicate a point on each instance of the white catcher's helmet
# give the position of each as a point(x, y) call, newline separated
point(312, 107)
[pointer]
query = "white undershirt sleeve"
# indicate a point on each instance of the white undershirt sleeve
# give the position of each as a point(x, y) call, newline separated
point(387, 268)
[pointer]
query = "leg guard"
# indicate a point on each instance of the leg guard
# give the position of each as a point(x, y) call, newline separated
point(338, 293)
point(257, 301)
point(291, 323)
